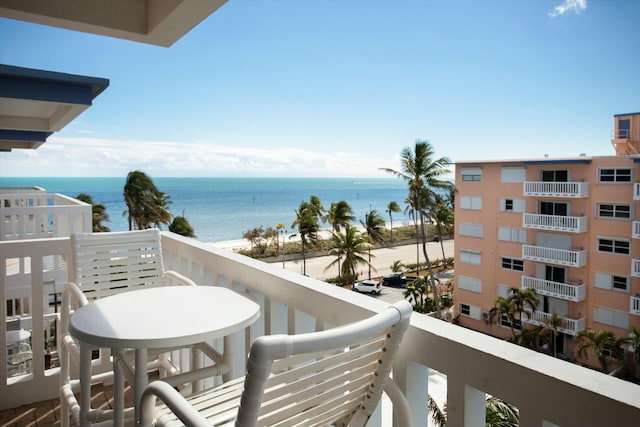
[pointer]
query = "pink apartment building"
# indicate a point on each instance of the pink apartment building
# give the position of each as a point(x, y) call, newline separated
point(566, 227)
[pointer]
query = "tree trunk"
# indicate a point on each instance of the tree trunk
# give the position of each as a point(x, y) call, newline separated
point(432, 279)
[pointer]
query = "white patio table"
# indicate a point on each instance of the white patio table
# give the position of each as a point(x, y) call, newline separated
point(161, 317)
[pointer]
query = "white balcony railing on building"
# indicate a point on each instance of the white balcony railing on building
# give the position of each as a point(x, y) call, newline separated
point(474, 364)
point(572, 224)
point(635, 267)
point(635, 229)
point(568, 257)
point(566, 291)
point(36, 215)
point(636, 191)
point(567, 325)
point(572, 190)
point(634, 305)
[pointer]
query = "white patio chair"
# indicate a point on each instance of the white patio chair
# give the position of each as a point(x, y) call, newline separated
point(333, 377)
point(104, 264)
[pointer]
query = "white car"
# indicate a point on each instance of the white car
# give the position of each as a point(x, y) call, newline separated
point(368, 286)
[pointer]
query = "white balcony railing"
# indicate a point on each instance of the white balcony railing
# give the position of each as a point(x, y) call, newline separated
point(567, 325)
point(474, 364)
point(634, 304)
point(571, 257)
point(565, 291)
point(574, 190)
point(636, 191)
point(36, 215)
point(572, 224)
point(635, 267)
point(635, 229)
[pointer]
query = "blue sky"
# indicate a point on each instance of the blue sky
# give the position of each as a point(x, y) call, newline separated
point(339, 88)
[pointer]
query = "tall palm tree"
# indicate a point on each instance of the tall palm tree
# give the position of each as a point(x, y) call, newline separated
point(306, 223)
point(423, 175)
point(443, 217)
point(373, 225)
point(411, 211)
point(517, 303)
point(339, 215)
point(602, 344)
point(350, 246)
point(146, 205)
point(98, 213)
point(392, 208)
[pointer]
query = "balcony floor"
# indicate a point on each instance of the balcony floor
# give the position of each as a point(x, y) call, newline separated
point(47, 413)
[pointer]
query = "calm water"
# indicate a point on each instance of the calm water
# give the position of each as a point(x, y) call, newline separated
point(224, 208)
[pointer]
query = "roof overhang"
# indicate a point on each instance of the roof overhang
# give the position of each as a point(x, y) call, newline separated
point(157, 22)
point(36, 103)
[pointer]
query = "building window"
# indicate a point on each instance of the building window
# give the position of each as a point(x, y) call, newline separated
point(554, 208)
point(472, 230)
point(512, 205)
point(611, 282)
point(613, 246)
point(471, 202)
point(508, 234)
point(614, 175)
point(555, 175)
point(512, 264)
point(470, 257)
point(465, 309)
point(471, 174)
point(470, 284)
point(504, 321)
point(469, 311)
point(619, 319)
point(512, 174)
point(508, 204)
point(609, 210)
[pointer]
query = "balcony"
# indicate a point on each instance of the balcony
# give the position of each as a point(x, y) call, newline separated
point(565, 291)
point(635, 267)
point(636, 191)
point(573, 190)
point(473, 363)
point(568, 257)
point(634, 305)
point(567, 325)
point(34, 214)
point(571, 224)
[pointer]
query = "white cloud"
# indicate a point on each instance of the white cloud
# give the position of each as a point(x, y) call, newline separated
point(64, 156)
point(575, 6)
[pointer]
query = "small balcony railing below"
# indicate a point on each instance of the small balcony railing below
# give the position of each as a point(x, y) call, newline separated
point(635, 267)
point(574, 190)
point(568, 257)
point(566, 325)
point(634, 306)
point(565, 291)
point(571, 224)
point(636, 191)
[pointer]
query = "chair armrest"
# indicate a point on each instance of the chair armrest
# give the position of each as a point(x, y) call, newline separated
point(174, 401)
point(400, 405)
point(180, 278)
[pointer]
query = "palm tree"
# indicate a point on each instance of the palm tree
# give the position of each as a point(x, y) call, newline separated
point(146, 205)
point(307, 224)
point(443, 217)
point(498, 413)
point(373, 226)
point(416, 292)
point(634, 342)
point(339, 215)
point(396, 266)
point(349, 246)
point(517, 303)
point(603, 344)
point(392, 207)
point(180, 225)
point(423, 175)
point(98, 213)
point(410, 210)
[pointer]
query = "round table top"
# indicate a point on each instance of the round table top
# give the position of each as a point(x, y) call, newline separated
point(14, 337)
point(164, 316)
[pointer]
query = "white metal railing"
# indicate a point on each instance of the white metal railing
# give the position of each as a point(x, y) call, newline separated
point(572, 224)
point(566, 291)
point(635, 267)
point(635, 229)
point(634, 304)
point(567, 325)
point(636, 191)
point(568, 257)
point(474, 364)
point(36, 215)
point(556, 189)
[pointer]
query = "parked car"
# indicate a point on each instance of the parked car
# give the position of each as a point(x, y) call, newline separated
point(368, 286)
point(397, 279)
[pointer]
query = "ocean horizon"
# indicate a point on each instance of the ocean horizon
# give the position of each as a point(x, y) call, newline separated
point(223, 209)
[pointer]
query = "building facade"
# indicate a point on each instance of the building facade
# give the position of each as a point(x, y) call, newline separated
point(567, 228)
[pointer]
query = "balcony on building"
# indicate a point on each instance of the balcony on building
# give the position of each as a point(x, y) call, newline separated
point(568, 325)
point(635, 267)
point(571, 224)
point(573, 190)
point(565, 291)
point(567, 257)
point(625, 136)
point(634, 305)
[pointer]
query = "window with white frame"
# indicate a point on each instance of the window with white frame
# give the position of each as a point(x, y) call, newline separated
point(614, 246)
point(471, 174)
point(469, 311)
point(611, 282)
point(612, 210)
point(471, 202)
point(614, 175)
point(504, 321)
point(619, 319)
point(512, 174)
point(512, 205)
point(471, 230)
point(470, 257)
point(510, 234)
point(514, 264)
point(470, 284)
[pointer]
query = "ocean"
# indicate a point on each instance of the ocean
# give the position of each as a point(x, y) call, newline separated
point(221, 209)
